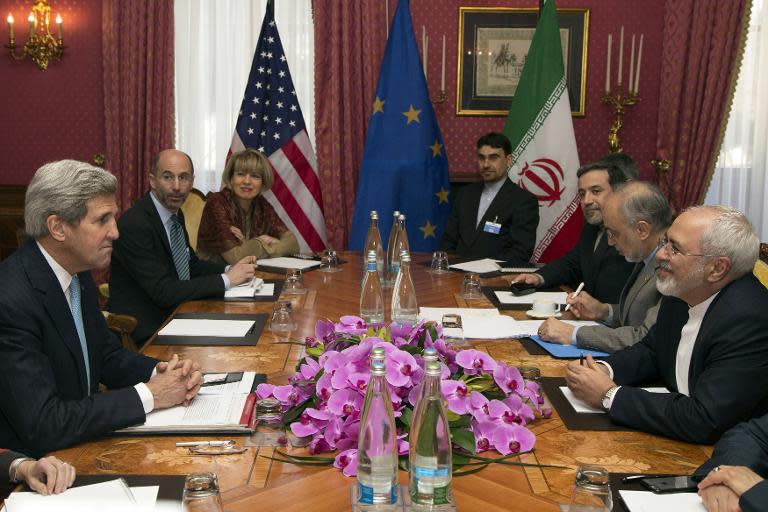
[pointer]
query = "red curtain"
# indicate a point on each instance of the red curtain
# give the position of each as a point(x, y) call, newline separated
point(349, 44)
point(137, 47)
point(703, 40)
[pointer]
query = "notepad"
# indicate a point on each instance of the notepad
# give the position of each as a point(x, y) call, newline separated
point(644, 501)
point(254, 288)
point(287, 262)
point(206, 327)
point(580, 406)
point(479, 266)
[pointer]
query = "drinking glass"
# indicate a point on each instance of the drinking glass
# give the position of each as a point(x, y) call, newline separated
point(329, 261)
point(282, 317)
point(591, 490)
point(201, 493)
point(294, 282)
point(439, 263)
point(470, 286)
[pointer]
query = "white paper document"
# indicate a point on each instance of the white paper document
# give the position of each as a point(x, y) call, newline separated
point(510, 298)
point(526, 328)
point(644, 501)
point(254, 288)
point(436, 314)
point(111, 496)
point(479, 266)
point(580, 406)
point(489, 328)
point(206, 327)
point(286, 262)
point(242, 386)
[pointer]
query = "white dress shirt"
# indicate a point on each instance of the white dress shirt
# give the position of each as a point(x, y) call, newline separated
point(687, 342)
point(487, 196)
point(65, 279)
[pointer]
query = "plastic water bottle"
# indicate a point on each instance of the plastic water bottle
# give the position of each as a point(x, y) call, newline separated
point(389, 275)
point(430, 460)
point(405, 308)
point(373, 243)
point(371, 295)
point(377, 444)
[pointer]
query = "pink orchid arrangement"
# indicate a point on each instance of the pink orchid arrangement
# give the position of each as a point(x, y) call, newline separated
point(489, 403)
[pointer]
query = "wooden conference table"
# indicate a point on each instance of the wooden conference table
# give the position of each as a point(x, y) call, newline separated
point(252, 482)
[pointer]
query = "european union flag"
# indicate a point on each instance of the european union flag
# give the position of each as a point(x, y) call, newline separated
point(404, 163)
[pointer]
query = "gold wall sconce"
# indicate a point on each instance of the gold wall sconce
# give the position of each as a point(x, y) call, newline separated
point(41, 46)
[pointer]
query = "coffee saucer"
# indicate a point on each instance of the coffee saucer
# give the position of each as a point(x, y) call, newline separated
point(531, 313)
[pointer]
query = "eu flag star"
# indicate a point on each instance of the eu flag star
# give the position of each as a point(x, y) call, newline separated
point(428, 229)
point(378, 105)
point(412, 115)
point(436, 148)
point(442, 196)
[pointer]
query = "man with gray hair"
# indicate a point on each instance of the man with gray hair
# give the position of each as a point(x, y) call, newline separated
point(55, 347)
point(636, 218)
point(709, 345)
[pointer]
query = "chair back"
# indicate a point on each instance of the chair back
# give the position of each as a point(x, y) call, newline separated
point(761, 265)
point(193, 212)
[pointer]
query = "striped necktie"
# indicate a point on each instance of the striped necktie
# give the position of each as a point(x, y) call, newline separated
point(77, 315)
point(179, 249)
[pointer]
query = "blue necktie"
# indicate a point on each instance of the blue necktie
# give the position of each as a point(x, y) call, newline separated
point(179, 249)
point(77, 315)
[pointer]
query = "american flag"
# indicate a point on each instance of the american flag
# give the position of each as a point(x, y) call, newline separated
point(270, 121)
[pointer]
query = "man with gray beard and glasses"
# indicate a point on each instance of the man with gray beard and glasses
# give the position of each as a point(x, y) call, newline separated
point(709, 345)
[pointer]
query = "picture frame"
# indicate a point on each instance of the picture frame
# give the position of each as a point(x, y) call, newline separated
point(493, 43)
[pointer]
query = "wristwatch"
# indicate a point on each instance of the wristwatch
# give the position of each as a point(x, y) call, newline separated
point(608, 397)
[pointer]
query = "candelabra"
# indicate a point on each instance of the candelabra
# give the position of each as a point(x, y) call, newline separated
point(41, 46)
point(619, 101)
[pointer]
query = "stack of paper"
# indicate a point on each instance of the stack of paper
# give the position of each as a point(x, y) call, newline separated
point(479, 266)
point(206, 327)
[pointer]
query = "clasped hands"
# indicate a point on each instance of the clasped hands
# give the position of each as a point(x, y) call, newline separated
point(584, 307)
point(590, 382)
point(721, 489)
point(175, 382)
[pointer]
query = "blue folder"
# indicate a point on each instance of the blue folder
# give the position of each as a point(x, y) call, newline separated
point(566, 351)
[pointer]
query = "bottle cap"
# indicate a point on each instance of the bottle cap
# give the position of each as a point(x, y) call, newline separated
point(371, 256)
point(429, 354)
point(396, 213)
point(402, 216)
point(374, 214)
point(405, 256)
point(433, 368)
point(378, 368)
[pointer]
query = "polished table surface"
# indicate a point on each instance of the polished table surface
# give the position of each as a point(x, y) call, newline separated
point(251, 481)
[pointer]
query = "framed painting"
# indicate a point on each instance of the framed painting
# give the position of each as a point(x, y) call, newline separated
point(493, 45)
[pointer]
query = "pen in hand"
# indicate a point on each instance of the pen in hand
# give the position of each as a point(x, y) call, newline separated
point(575, 294)
point(581, 359)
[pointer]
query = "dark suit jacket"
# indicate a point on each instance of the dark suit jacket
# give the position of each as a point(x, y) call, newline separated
point(143, 281)
point(634, 315)
point(603, 270)
point(745, 445)
point(728, 375)
point(44, 401)
point(517, 211)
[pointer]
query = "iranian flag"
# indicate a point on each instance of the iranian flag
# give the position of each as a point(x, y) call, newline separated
point(544, 156)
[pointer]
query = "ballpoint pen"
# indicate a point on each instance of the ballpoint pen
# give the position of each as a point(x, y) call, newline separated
point(224, 442)
point(581, 359)
point(575, 294)
point(632, 478)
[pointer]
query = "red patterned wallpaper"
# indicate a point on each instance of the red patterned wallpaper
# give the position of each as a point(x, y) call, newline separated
point(57, 113)
point(639, 132)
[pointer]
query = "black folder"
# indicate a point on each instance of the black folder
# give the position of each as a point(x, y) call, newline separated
point(250, 339)
point(572, 419)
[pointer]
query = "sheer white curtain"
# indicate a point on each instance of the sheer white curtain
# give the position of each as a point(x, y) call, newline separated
point(739, 179)
point(215, 41)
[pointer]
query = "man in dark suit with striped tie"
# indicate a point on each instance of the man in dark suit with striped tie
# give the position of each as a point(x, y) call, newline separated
point(154, 269)
point(55, 347)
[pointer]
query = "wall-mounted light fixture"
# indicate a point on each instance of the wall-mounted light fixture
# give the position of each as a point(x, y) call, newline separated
point(41, 46)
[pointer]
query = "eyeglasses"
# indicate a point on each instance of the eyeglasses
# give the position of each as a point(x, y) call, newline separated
point(184, 177)
point(675, 251)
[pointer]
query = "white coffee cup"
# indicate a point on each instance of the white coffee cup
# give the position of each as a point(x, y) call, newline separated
point(545, 308)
